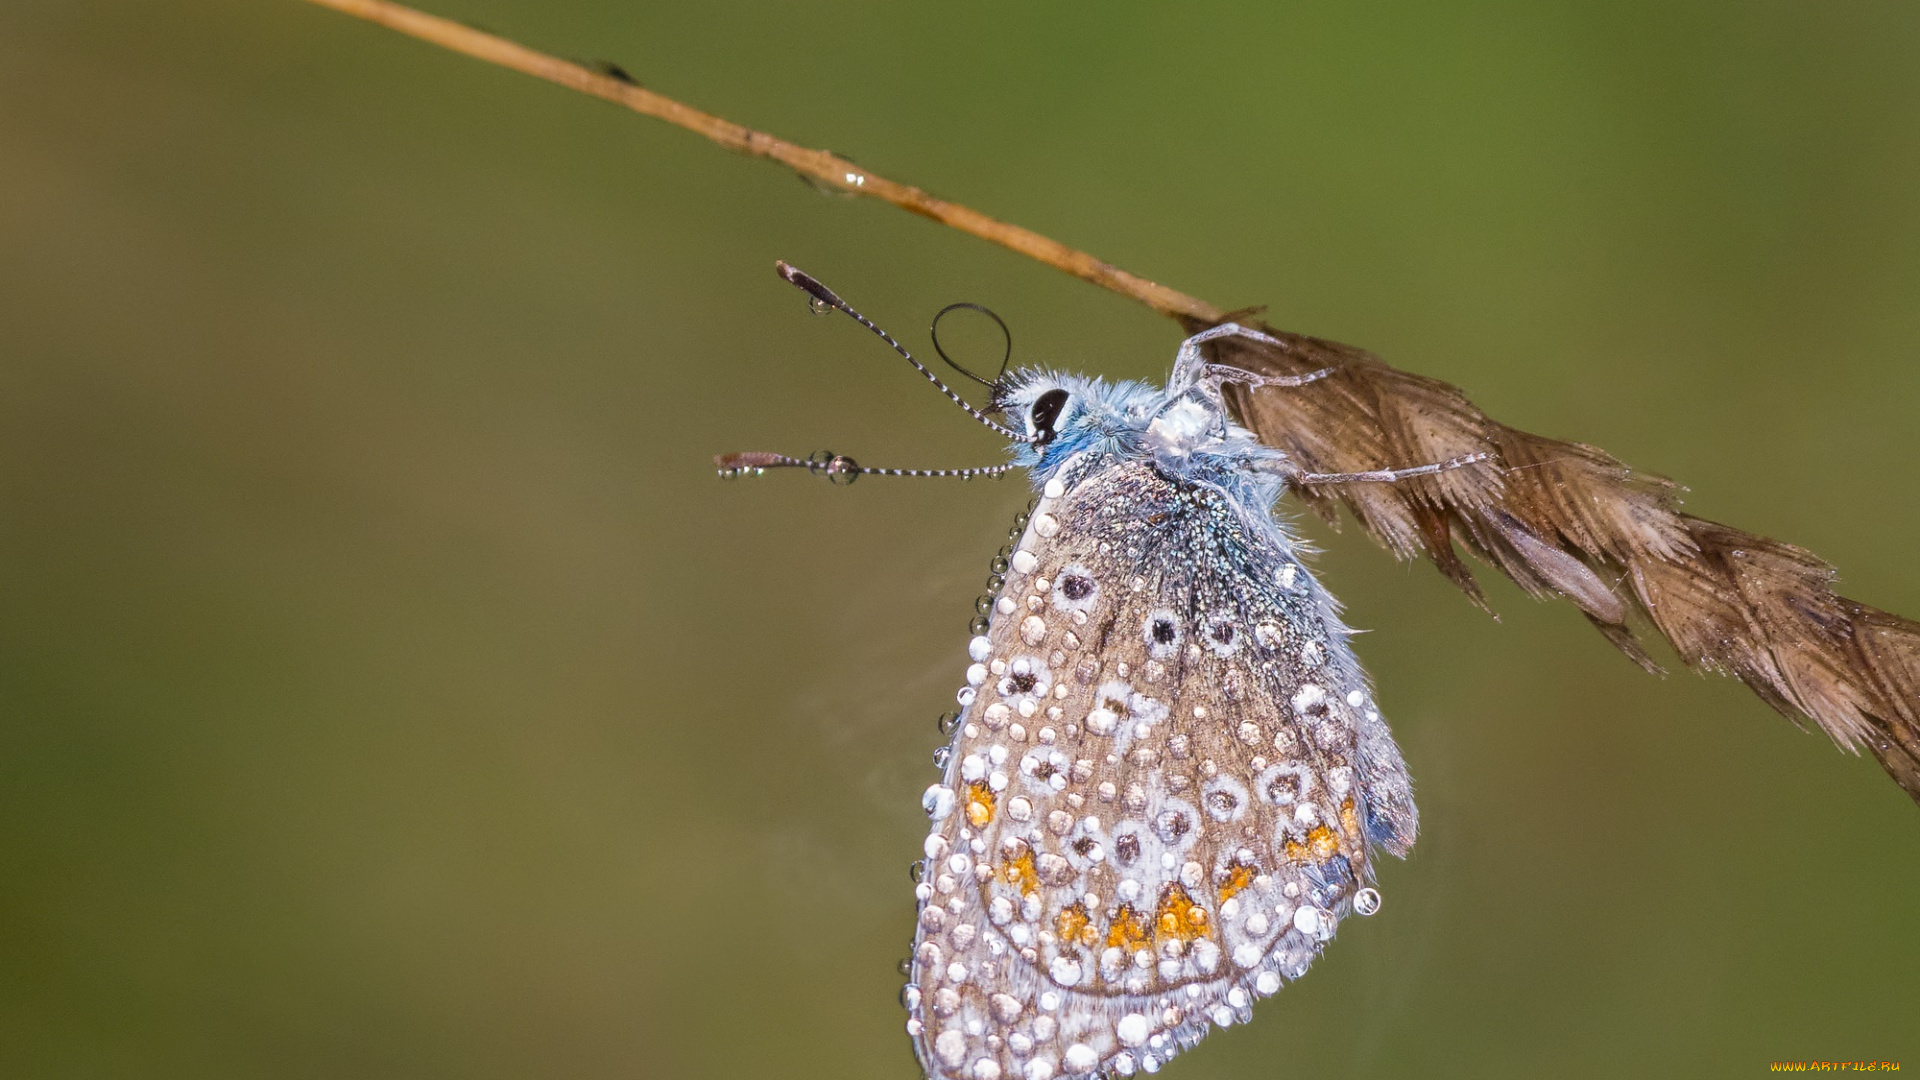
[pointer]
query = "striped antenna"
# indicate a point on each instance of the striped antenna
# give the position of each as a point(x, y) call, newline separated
point(838, 468)
point(824, 298)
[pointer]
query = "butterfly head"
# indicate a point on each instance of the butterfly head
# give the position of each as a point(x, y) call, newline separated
point(1186, 432)
point(1062, 416)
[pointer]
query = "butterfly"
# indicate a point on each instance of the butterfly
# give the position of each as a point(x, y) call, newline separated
point(1169, 777)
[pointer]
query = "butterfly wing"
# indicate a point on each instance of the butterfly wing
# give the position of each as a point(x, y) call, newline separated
point(1162, 794)
point(1565, 519)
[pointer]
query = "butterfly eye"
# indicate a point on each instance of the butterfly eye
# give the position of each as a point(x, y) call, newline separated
point(1046, 413)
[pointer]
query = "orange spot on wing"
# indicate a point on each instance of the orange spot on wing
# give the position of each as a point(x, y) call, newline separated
point(1238, 879)
point(979, 804)
point(1178, 917)
point(1073, 925)
point(1019, 871)
point(1349, 821)
point(1129, 930)
point(1321, 842)
point(1324, 842)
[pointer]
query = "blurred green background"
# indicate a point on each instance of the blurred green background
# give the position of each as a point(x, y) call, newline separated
point(388, 688)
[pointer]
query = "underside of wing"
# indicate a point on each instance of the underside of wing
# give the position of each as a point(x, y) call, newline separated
point(1163, 795)
point(1566, 519)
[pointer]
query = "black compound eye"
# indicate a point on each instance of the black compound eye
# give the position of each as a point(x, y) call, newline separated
point(1045, 414)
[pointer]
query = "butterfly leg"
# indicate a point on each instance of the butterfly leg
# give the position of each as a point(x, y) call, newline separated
point(1384, 476)
point(1221, 373)
point(1190, 367)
